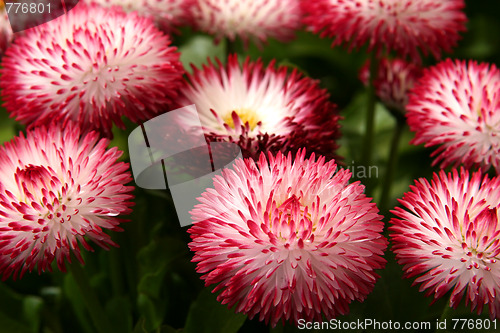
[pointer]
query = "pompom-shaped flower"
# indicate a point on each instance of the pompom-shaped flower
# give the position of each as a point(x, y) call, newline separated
point(167, 14)
point(457, 105)
point(394, 80)
point(57, 189)
point(262, 108)
point(255, 20)
point(449, 235)
point(92, 66)
point(405, 26)
point(287, 238)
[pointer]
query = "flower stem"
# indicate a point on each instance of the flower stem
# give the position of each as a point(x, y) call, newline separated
point(90, 299)
point(370, 113)
point(391, 165)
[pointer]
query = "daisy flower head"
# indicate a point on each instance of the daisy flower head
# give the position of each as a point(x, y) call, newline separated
point(58, 189)
point(287, 238)
point(455, 105)
point(448, 234)
point(167, 14)
point(394, 80)
point(262, 108)
point(404, 26)
point(91, 66)
point(250, 20)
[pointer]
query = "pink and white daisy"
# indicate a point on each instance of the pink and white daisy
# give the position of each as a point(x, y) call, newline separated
point(394, 80)
point(287, 238)
point(449, 236)
point(167, 14)
point(92, 66)
point(251, 20)
point(405, 26)
point(456, 105)
point(262, 108)
point(57, 189)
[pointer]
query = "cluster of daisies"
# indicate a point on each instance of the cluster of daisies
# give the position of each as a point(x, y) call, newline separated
point(283, 235)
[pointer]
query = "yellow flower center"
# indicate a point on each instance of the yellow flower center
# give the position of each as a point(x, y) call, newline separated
point(246, 115)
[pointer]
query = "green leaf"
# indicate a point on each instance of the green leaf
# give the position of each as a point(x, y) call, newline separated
point(198, 49)
point(11, 304)
point(153, 311)
point(7, 126)
point(32, 311)
point(207, 315)
point(72, 293)
point(120, 140)
point(169, 329)
point(9, 325)
point(19, 313)
point(140, 326)
point(119, 311)
point(155, 261)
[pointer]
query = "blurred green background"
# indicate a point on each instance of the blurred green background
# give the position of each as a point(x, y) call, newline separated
point(150, 285)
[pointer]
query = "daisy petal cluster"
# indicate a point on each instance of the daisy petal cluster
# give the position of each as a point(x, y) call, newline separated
point(456, 105)
point(262, 108)
point(449, 237)
point(167, 14)
point(287, 238)
point(92, 66)
point(251, 20)
point(58, 189)
point(404, 26)
point(394, 80)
